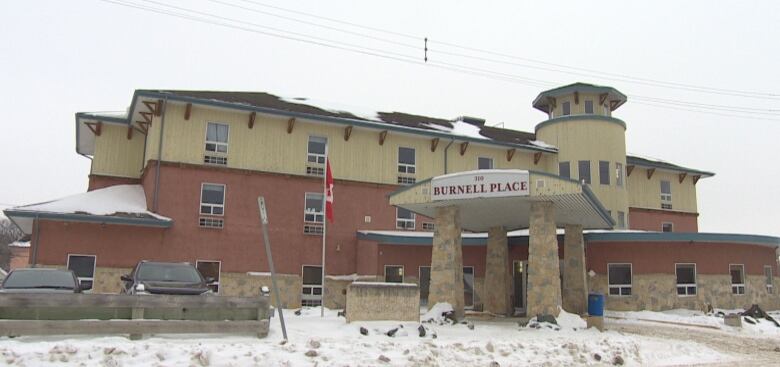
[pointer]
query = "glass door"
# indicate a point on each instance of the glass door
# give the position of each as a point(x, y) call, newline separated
point(468, 286)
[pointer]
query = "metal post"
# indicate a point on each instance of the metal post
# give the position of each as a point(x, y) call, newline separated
point(264, 222)
point(324, 227)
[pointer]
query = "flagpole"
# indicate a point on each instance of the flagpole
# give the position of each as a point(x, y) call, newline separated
point(324, 227)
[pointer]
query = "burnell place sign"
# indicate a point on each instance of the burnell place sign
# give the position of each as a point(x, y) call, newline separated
point(480, 184)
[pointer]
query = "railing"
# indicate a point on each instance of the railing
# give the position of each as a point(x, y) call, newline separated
point(47, 314)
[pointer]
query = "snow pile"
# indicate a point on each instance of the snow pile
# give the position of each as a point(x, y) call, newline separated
point(570, 320)
point(683, 317)
point(334, 107)
point(124, 199)
point(542, 144)
point(19, 244)
point(459, 128)
point(436, 313)
point(350, 277)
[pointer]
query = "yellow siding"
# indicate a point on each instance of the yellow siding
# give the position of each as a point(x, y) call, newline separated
point(579, 108)
point(115, 155)
point(646, 193)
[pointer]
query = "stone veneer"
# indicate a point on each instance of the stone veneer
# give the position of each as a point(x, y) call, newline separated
point(383, 301)
point(575, 288)
point(544, 285)
point(497, 278)
point(447, 261)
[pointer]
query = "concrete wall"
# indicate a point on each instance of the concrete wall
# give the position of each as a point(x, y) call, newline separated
point(652, 220)
point(383, 301)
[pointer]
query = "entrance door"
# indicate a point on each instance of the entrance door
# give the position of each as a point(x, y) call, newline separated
point(519, 285)
point(311, 294)
point(468, 286)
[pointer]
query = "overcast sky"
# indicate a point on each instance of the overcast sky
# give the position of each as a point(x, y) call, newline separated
point(58, 58)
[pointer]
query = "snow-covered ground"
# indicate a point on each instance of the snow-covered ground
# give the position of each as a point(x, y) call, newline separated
point(330, 341)
point(683, 317)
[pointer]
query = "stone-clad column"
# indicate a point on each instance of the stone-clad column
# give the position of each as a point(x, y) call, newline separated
point(496, 294)
point(575, 289)
point(447, 261)
point(544, 284)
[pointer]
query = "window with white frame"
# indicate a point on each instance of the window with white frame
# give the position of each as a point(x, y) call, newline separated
point(404, 219)
point(212, 199)
point(619, 279)
point(737, 272)
point(210, 269)
point(686, 279)
point(566, 108)
point(84, 268)
point(315, 156)
point(311, 293)
point(484, 163)
point(394, 273)
point(770, 282)
point(217, 137)
point(667, 227)
point(428, 226)
point(666, 194)
point(619, 174)
point(312, 212)
point(406, 161)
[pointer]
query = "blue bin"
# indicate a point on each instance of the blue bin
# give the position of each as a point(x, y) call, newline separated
point(595, 304)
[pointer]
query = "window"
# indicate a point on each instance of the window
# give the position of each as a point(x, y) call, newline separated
point(404, 219)
point(564, 169)
point(210, 269)
point(394, 274)
point(217, 137)
point(686, 279)
point(604, 172)
point(212, 199)
point(621, 219)
point(584, 169)
point(619, 174)
point(566, 108)
point(406, 161)
point(770, 283)
point(428, 226)
point(211, 222)
point(316, 151)
point(619, 279)
point(667, 227)
point(588, 106)
point(311, 294)
point(312, 212)
point(84, 268)
point(666, 195)
point(485, 163)
point(737, 278)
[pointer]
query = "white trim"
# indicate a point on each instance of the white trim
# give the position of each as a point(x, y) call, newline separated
point(492, 162)
point(94, 268)
point(317, 214)
point(317, 156)
point(738, 285)
point(695, 283)
point(312, 297)
point(212, 206)
point(620, 287)
point(406, 165)
point(217, 143)
point(219, 271)
point(403, 272)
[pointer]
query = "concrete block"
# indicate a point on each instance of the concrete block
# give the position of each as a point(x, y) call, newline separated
point(595, 321)
point(733, 320)
point(371, 301)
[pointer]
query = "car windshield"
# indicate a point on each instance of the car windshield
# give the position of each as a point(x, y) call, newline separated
point(168, 273)
point(43, 278)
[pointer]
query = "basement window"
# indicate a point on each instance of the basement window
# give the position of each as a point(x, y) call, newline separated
point(619, 279)
point(394, 274)
point(311, 293)
point(770, 282)
point(84, 268)
point(404, 219)
point(686, 279)
point(212, 199)
point(737, 279)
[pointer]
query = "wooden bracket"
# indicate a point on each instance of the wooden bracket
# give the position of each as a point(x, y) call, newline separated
point(347, 133)
point(537, 157)
point(382, 137)
point(551, 101)
point(463, 146)
point(139, 130)
point(129, 132)
point(96, 127)
point(252, 119)
point(155, 108)
point(650, 173)
point(576, 97)
point(147, 116)
point(434, 144)
point(143, 126)
point(682, 177)
point(603, 98)
point(613, 104)
point(290, 125)
point(509, 154)
point(696, 179)
point(188, 111)
point(629, 169)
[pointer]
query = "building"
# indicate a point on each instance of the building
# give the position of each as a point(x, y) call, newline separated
point(176, 178)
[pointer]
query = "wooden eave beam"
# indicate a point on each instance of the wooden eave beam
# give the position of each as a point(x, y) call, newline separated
point(95, 127)
point(129, 132)
point(537, 157)
point(252, 117)
point(382, 137)
point(629, 169)
point(347, 133)
point(650, 173)
point(434, 144)
point(682, 177)
point(188, 111)
point(510, 153)
point(696, 179)
point(603, 98)
point(463, 146)
point(576, 97)
point(290, 125)
point(613, 104)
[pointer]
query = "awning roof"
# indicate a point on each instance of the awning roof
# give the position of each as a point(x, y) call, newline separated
point(120, 204)
point(573, 202)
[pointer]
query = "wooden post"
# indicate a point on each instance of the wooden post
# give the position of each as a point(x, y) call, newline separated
point(137, 313)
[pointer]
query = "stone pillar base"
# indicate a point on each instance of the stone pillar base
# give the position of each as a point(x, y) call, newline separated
point(447, 261)
point(496, 294)
point(544, 284)
point(575, 292)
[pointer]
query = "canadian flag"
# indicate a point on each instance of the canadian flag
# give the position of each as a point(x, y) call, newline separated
point(329, 192)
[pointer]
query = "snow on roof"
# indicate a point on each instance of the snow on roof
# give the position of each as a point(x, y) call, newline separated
point(114, 114)
point(542, 144)
point(515, 233)
point(337, 108)
point(119, 199)
point(20, 244)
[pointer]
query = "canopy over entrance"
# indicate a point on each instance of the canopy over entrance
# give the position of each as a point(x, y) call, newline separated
point(492, 198)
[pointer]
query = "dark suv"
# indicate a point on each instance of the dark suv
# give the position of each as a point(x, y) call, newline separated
point(40, 280)
point(151, 277)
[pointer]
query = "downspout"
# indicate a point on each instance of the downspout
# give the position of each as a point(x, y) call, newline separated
point(159, 157)
point(445, 154)
point(37, 239)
